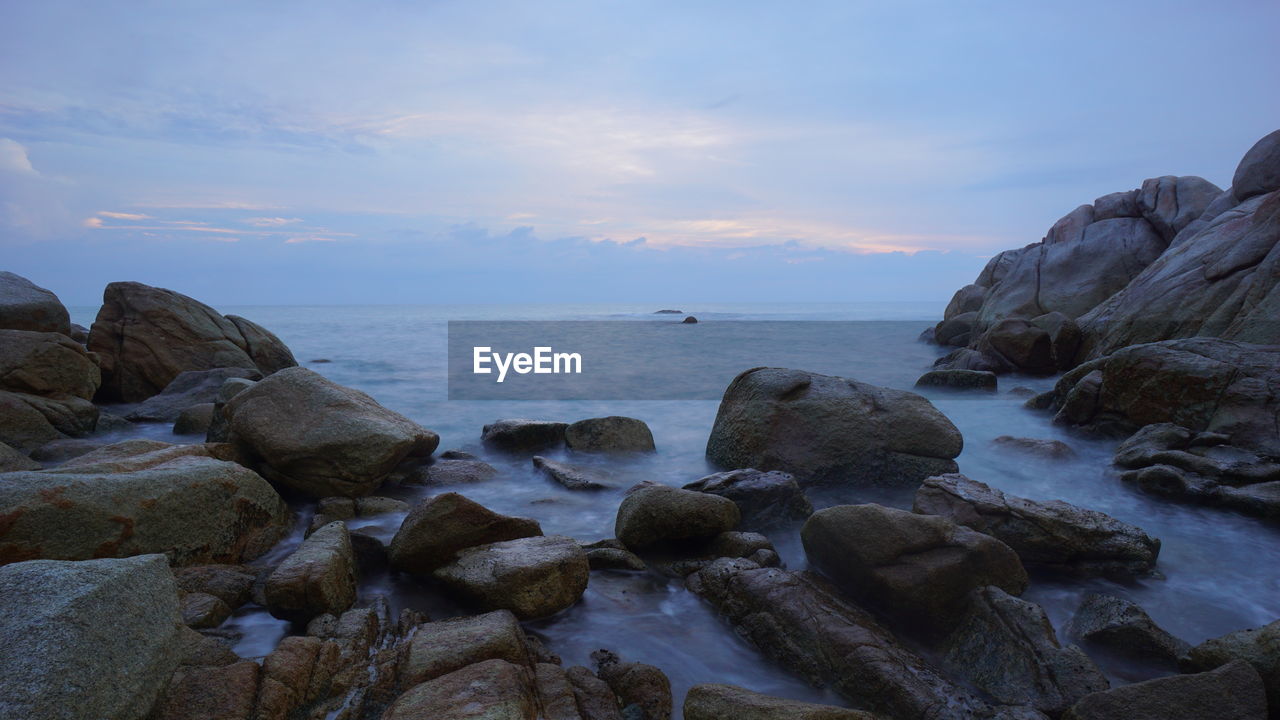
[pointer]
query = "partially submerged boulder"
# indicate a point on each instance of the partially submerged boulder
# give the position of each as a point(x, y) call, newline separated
point(1232, 692)
point(438, 528)
point(826, 429)
point(765, 499)
point(533, 577)
point(192, 387)
point(87, 640)
point(320, 438)
point(145, 337)
point(1119, 628)
point(141, 497)
point(637, 685)
point(958, 380)
point(523, 436)
point(657, 515)
point(917, 569)
point(317, 578)
point(1051, 535)
point(572, 477)
point(27, 306)
point(613, 434)
point(1036, 447)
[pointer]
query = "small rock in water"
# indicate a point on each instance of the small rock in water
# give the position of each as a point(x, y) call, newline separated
point(573, 477)
point(613, 434)
point(765, 499)
point(321, 361)
point(654, 515)
point(959, 380)
point(439, 528)
point(1048, 449)
point(691, 320)
point(636, 684)
point(1023, 391)
point(611, 554)
point(521, 436)
point(1121, 628)
point(668, 312)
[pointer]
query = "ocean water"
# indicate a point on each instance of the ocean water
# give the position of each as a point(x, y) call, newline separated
point(1218, 571)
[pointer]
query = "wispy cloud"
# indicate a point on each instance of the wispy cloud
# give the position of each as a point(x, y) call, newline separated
point(271, 221)
point(299, 239)
point(13, 157)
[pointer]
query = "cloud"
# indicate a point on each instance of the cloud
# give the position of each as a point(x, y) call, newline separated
point(13, 157)
point(271, 221)
point(122, 215)
point(92, 222)
point(298, 239)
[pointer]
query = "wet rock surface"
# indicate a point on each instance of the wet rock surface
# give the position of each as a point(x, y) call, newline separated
point(523, 436)
point(532, 577)
point(764, 499)
point(1115, 627)
point(613, 434)
point(437, 529)
point(653, 516)
point(1233, 692)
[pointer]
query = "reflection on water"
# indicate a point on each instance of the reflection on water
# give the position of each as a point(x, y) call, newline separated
point(1220, 571)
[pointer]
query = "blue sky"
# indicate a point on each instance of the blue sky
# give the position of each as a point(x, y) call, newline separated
point(602, 151)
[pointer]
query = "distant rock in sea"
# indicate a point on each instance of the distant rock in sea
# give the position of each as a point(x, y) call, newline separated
point(668, 312)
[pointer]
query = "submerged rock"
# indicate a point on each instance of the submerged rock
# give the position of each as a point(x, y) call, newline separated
point(320, 438)
point(658, 515)
point(27, 306)
point(1232, 692)
point(959, 380)
point(572, 477)
point(141, 497)
point(87, 640)
point(523, 436)
point(1120, 628)
point(145, 337)
point(690, 320)
point(1007, 647)
point(438, 528)
point(765, 499)
point(1260, 647)
point(917, 569)
point(710, 701)
point(613, 434)
point(317, 578)
point(1051, 535)
point(637, 685)
point(826, 429)
point(193, 387)
point(449, 469)
point(532, 577)
point(1047, 449)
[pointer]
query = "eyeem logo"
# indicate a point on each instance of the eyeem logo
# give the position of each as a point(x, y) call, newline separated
point(543, 361)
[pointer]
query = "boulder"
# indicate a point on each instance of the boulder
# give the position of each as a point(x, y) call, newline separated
point(657, 515)
point(1171, 203)
point(319, 577)
point(1119, 628)
point(27, 306)
point(448, 469)
point(825, 429)
point(710, 701)
point(195, 420)
point(969, 359)
point(319, 438)
point(967, 299)
point(87, 640)
point(201, 610)
point(1259, 169)
point(958, 380)
point(1064, 338)
point(799, 622)
point(572, 477)
point(637, 685)
point(221, 692)
point(11, 460)
point(609, 554)
point(440, 648)
point(22, 424)
point(47, 364)
point(594, 699)
point(764, 499)
point(557, 694)
point(491, 689)
point(956, 330)
point(690, 320)
point(1203, 384)
point(1051, 535)
point(141, 497)
point(532, 577)
point(56, 452)
point(1017, 345)
point(145, 337)
point(438, 528)
point(1232, 692)
point(232, 584)
point(523, 436)
point(611, 434)
point(1260, 647)
point(1047, 449)
point(1007, 647)
point(266, 350)
point(917, 569)
point(192, 387)
point(219, 429)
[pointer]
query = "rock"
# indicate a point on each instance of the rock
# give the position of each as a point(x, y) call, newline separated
point(200, 610)
point(523, 436)
point(79, 333)
point(145, 337)
point(594, 698)
point(532, 577)
point(1232, 692)
point(27, 306)
point(959, 380)
point(690, 320)
point(1170, 203)
point(1260, 647)
point(219, 428)
point(918, 569)
point(11, 460)
point(232, 584)
point(764, 499)
point(226, 692)
point(56, 452)
point(555, 692)
point(612, 555)
point(320, 438)
point(728, 702)
point(636, 684)
point(1023, 391)
point(926, 336)
point(1007, 647)
point(193, 387)
point(967, 299)
point(1218, 279)
point(612, 434)
point(440, 648)
point(319, 577)
point(438, 528)
point(572, 477)
point(47, 364)
point(956, 330)
point(141, 497)
point(657, 515)
point(799, 622)
point(1259, 169)
point(264, 348)
point(195, 420)
point(491, 689)
point(1051, 535)
point(1064, 338)
point(668, 312)
point(1119, 628)
point(1016, 344)
point(1203, 384)
point(22, 424)
point(87, 640)
point(825, 429)
point(969, 359)
point(1047, 449)
point(452, 471)
point(1117, 205)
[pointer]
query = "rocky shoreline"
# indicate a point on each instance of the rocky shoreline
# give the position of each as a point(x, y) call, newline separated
point(120, 562)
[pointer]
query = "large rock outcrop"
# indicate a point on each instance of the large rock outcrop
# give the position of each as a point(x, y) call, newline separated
point(320, 438)
point(87, 640)
point(140, 497)
point(826, 429)
point(146, 336)
point(27, 306)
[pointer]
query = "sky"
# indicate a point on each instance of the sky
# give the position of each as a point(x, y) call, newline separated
point(605, 151)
